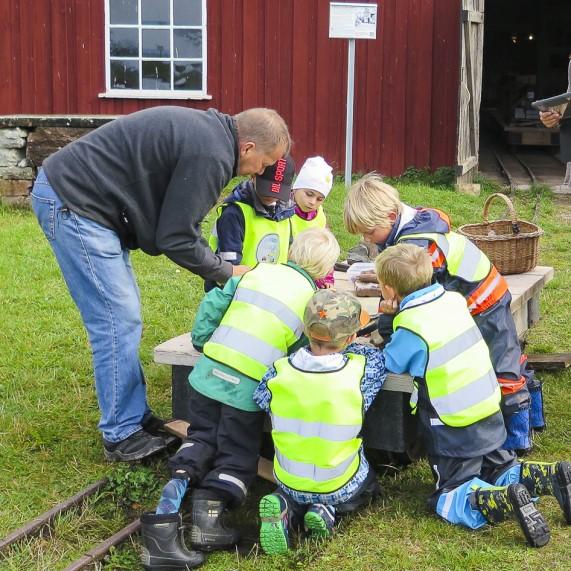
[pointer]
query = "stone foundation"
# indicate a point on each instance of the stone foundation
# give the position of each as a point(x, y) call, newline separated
point(25, 141)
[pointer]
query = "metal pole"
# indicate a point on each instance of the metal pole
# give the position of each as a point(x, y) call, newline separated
point(349, 125)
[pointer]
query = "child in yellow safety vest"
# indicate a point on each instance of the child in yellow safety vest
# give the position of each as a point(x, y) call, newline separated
point(253, 223)
point(241, 330)
point(310, 188)
point(456, 400)
point(317, 398)
point(373, 208)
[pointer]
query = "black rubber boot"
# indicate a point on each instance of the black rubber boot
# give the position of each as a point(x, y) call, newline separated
point(208, 532)
point(163, 544)
point(549, 478)
point(498, 503)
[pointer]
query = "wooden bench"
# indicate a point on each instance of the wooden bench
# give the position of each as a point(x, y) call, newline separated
point(388, 424)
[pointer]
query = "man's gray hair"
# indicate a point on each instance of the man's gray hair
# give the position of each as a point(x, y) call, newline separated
point(263, 126)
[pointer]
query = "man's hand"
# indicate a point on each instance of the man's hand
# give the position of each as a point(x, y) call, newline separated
point(240, 270)
point(388, 306)
point(550, 118)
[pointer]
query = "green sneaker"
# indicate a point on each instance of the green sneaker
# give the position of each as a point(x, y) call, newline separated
point(319, 521)
point(274, 535)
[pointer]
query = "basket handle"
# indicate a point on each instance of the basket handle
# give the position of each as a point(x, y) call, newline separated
point(510, 207)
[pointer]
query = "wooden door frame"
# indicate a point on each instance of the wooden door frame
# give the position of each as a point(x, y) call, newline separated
point(467, 167)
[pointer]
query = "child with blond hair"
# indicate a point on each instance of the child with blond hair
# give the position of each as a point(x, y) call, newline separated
point(373, 208)
point(456, 399)
point(241, 329)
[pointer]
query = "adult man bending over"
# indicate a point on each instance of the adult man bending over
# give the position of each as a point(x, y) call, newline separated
point(145, 180)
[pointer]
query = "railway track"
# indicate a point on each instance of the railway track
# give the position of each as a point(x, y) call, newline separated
point(522, 170)
point(43, 522)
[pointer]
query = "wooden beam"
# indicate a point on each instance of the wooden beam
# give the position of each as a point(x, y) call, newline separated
point(466, 166)
point(472, 16)
point(549, 361)
point(265, 467)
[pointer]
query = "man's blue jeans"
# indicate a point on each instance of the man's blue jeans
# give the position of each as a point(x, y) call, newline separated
point(100, 278)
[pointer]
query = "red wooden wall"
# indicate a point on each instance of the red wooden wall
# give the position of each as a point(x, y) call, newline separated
point(273, 53)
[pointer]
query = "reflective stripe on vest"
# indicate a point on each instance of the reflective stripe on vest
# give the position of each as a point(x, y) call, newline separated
point(491, 290)
point(313, 472)
point(264, 240)
point(316, 421)
point(334, 432)
point(298, 224)
point(461, 384)
point(263, 320)
point(463, 258)
point(272, 305)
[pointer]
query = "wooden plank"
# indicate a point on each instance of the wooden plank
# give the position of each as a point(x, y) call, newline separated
point(179, 352)
point(467, 165)
point(180, 427)
point(549, 361)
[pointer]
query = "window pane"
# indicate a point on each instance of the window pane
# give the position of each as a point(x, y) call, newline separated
point(156, 75)
point(124, 42)
point(188, 43)
point(188, 75)
point(187, 12)
point(155, 12)
point(123, 12)
point(124, 74)
point(156, 43)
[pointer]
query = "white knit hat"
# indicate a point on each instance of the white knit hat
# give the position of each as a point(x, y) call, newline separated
point(315, 174)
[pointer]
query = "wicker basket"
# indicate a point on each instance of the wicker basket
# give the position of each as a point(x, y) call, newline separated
point(511, 245)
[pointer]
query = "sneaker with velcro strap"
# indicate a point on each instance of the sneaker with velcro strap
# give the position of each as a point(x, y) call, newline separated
point(319, 521)
point(274, 531)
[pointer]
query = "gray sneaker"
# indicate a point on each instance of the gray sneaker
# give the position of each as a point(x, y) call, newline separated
point(139, 445)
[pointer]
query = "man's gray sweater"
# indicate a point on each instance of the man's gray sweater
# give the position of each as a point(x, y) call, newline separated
point(152, 176)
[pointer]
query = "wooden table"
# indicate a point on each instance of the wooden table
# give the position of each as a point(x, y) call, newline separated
point(388, 425)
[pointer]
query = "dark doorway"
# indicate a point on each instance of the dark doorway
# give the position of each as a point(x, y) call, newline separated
point(527, 44)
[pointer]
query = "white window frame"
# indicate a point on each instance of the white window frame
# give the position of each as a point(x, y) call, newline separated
point(155, 93)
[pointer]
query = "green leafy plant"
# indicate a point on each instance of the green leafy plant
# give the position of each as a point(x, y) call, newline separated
point(132, 486)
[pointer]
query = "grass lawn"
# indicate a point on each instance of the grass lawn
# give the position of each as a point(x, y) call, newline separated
point(50, 447)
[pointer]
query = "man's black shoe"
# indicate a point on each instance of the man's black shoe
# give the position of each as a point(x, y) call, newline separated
point(153, 424)
point(139, 445)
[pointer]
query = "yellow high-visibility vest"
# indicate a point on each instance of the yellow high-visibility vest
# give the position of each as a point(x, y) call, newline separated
point(460, 379)
point(463, 258)
point(264, 319)
point(316, 425)
point(298, 224)
point(264, 240)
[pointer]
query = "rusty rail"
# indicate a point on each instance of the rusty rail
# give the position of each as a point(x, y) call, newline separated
point(36, 525)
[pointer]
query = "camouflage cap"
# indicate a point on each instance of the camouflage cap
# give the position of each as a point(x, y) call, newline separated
point(332, 315)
